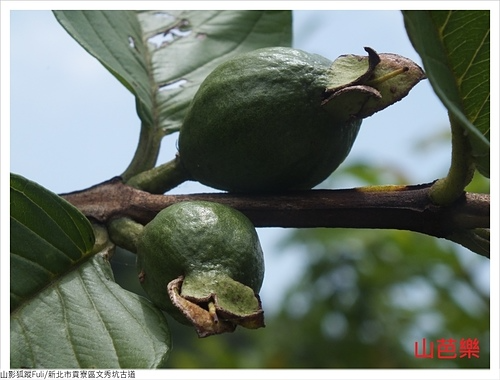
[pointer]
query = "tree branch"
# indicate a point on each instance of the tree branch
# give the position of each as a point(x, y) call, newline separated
point(386, 207)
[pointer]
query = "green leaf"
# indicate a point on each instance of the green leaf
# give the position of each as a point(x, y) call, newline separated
point(66, 309)
point(455, 51)
point(108, 36)
point(163, 56)
point(48, 236)
point(85, 320)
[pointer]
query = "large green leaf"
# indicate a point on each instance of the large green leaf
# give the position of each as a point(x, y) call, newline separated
point(455, 51)
point(48, 236)
point(85, 320)
point(162, 56)
point(66, 309)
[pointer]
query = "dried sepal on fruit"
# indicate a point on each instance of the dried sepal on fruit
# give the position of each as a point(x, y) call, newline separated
point(217, 311)
point(360, 86)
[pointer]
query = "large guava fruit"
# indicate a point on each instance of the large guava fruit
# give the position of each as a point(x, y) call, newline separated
point(280, 118)
point(202, 262)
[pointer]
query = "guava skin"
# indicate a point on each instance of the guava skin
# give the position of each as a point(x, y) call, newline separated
point(256, 124)
point(201, 241)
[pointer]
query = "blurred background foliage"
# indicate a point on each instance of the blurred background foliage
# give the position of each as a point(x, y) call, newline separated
point(362, 300)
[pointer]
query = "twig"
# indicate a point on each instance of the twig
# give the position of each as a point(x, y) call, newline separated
point(387, 207)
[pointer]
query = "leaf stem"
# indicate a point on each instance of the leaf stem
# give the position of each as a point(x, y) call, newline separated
point(447, 190)
point(146, 152)
point(161, 178)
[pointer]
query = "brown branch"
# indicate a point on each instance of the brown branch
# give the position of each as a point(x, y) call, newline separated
point(396, 207)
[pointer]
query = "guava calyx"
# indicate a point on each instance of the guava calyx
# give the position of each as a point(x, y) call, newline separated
point(218, 307)
point(359, 86)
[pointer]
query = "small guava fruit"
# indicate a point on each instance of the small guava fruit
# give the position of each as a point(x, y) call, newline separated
point(279, 118)
point(202, 263)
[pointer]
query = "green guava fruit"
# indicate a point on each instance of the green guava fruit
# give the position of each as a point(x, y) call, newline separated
point(202, 263)
point(280, 118)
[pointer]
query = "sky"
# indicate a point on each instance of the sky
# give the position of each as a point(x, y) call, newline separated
point(72, 124)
